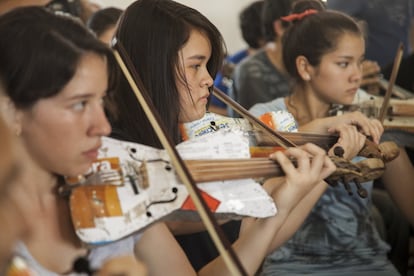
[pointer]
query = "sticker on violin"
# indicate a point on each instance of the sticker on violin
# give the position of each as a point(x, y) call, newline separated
point(210, 123)
point(280, 120)
point(222, 144)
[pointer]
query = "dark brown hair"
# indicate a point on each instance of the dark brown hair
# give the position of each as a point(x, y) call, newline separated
point(40, 51)
point(153, 32)
point(314, 35)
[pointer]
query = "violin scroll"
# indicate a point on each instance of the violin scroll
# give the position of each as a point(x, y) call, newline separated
point(389, 150)
point(357, 173)
point(386, 151)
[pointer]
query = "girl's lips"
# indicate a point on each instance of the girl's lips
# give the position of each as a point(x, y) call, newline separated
point(92, 153)
point(203, 100)
point(352, 91)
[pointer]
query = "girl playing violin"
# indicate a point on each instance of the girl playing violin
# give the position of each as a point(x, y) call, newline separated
point(176, 52)
point(53, 105)
point(323, 53)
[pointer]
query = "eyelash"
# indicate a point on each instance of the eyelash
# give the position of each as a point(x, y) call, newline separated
point(343, 64)
point(79, 105)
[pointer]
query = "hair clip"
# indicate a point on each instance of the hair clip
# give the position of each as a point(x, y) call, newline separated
point(298, 16)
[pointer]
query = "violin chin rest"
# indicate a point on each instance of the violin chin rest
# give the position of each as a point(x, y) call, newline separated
point(389, 150)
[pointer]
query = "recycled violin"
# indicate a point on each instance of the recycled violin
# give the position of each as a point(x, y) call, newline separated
point(131, 186)
point(388, 151)
point(262, 145)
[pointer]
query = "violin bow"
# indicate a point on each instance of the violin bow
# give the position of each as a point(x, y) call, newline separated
point(279, 139)
point(393, 77)
point(222, 244)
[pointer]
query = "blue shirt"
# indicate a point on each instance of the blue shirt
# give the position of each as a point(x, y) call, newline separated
point(223, 83)
point(339, 237)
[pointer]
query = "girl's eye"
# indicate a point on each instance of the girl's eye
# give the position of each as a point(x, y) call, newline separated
point(196, 66)
point(343, 64)
point(102, 100)
point(79, 106)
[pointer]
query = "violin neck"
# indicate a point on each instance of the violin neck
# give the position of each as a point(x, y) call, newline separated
point(299, 138)
point(230, 169)
point(403, 109)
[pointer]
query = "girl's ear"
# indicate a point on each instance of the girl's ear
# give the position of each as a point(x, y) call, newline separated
point(304, 68)
point(11, 115)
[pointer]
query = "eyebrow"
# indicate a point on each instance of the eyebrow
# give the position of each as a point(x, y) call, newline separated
point(86, 95)
point(197, 57)
point(345, 56)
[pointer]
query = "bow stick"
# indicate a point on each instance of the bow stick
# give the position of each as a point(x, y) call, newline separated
point(279, 139)
point(222, 244)
point(394, 72)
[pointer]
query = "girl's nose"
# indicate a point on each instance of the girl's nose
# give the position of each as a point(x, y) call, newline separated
point(357, 74)
point(207, 81)
point(101, 125)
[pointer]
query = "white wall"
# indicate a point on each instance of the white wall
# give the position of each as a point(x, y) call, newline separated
point(223, 14)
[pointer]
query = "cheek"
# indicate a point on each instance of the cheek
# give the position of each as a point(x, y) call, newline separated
point(185, 97)
point(59, 152)
point(328, 81)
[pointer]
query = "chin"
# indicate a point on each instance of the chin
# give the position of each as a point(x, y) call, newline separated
point(193, 118)
point(78, 170)
point(346, 101)
point(199, 117)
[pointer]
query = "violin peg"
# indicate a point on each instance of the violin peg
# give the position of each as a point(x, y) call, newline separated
point(339, 151)
point(82, 265)
point(348, 188)
point(332, 183)
point(370, 169)
point(362, 192)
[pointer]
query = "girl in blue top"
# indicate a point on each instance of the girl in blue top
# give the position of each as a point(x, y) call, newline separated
point(323, 52)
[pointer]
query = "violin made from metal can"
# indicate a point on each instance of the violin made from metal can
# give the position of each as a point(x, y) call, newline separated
point(131, 186)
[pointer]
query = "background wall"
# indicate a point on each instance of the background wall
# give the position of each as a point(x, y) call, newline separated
point(223, 14)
